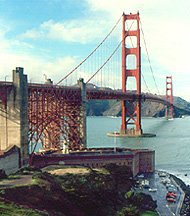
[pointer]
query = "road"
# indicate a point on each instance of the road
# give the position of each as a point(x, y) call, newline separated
point(164, 208)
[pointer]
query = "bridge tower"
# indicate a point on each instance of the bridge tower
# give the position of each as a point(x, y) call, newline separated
point(169, 95)
point(132, 109)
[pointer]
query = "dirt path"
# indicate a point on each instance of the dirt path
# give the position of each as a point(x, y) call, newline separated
point(24, 179)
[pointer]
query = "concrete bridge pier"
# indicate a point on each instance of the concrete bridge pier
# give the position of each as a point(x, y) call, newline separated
point(82, 86)
point(14, 118)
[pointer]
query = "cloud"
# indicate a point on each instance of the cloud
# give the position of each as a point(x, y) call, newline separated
point(17, 53)
point(165, 24)
point(35, 67)
point(81, 31)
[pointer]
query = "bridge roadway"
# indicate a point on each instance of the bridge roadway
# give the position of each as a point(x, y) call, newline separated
point(91, 93)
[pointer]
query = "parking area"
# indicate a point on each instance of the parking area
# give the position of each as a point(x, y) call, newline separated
point(158, 185)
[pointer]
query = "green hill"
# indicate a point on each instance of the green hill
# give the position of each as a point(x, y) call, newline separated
point(149, 109)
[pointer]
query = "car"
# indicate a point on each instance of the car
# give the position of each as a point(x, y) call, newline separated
point(166, 181)
point(141, 176)
point(162, 174)
point(171, 200)
point(171, 194)
point(152, 189)
point(146, 186)
point(171, 190)
point(168, 185)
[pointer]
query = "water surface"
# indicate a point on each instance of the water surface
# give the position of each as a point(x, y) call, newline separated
point(171, 144)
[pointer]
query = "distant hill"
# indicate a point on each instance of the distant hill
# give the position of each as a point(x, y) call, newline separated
point(149, 109)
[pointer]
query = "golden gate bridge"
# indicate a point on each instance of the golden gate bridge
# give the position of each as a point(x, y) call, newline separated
point(56, 113)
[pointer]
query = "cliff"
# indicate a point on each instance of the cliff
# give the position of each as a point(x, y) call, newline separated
point(149, 109)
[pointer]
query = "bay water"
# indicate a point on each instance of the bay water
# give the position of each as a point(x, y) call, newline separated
point(171, 144)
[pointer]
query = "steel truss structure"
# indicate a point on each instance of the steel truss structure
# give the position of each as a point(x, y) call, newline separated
point(54, 116)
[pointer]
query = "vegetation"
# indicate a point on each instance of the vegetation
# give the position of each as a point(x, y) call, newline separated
point(2, 174)
point(96, 108)
point(26, 170)
point(14, 210)
point(94, 193)
point(148, 109)
point(138, 204)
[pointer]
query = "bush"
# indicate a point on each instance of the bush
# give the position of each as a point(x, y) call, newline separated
point(129, 211)
point(26, 170)
point(144, 201)
point(2, 174)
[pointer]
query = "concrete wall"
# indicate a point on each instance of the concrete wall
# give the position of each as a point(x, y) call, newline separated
point(135, 164)
point(9, 159)
point(14, 119)
point(146, 161)
point(82, 86)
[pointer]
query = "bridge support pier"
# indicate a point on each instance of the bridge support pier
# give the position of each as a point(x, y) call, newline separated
point(131, 132)
point(82, 86)
point(14, 117)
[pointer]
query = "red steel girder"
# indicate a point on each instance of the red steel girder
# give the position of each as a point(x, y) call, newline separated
point(54, 116)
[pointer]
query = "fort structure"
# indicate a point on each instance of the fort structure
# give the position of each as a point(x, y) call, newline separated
point(139, 160)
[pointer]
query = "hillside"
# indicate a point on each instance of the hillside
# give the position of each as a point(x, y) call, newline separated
point(149, 109)
point(93, 192)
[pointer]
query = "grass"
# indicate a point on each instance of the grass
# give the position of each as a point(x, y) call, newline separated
point(149, 213)
point(10, 177)
point(13, 210)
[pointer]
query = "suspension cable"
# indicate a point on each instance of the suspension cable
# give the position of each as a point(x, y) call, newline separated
point(105, 62)
point(91, 52)
point(109, 56)
point(149, 59)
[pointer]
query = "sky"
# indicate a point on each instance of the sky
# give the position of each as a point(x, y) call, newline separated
point(52, 36)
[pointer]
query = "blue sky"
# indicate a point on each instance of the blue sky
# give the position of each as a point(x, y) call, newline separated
point(52, 36)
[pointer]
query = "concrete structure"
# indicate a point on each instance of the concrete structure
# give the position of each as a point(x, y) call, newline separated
point(82, 86)
point(9, 159)
point(139, 160)
point(130, 133)
point(14, 118)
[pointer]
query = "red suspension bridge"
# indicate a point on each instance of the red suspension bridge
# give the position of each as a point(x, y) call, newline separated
point(54, 114)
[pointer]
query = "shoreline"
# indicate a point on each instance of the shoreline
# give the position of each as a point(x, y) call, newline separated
point(186, 202)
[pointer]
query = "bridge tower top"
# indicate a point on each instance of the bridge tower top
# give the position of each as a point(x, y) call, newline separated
point(169, 94)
